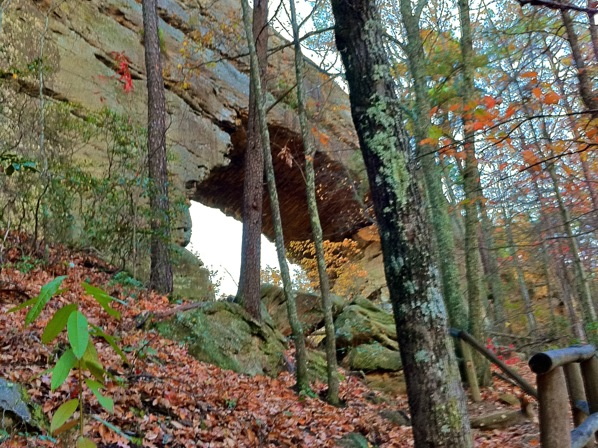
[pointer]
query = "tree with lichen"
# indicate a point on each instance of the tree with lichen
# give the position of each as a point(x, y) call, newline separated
point(436, 398)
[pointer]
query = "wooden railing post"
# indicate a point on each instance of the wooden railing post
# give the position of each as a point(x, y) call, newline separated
point(555, 431)
point(550, 368)
point(577, 394)
point(589, 371)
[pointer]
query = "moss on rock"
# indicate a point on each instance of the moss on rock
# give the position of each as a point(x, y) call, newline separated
point(223, 334)
point(363, 323)
point(373, 357)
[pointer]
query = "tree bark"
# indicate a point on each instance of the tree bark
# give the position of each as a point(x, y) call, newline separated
point(471, 184)
point(588, 96)
point(436, 399)
point(161, 268)
point(295, 323)
point(527, 303)
point(314, 217)
point(438, 212)
point(583, 286)
point(253, 183)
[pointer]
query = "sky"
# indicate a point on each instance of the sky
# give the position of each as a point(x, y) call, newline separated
point(216, 238)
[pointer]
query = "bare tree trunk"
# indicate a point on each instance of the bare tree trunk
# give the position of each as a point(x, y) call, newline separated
point(527, 303)
point(586, 91)
point(161, 269)
point(436, 399)
point(253, 183)
point(314, 217)
point(295, 323)
point(583, 286)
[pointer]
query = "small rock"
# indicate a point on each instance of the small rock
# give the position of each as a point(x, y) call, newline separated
point(398, 418)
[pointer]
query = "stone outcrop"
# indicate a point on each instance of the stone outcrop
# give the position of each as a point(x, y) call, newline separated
point(207, 95)
point(309, 308)
point(222, 333)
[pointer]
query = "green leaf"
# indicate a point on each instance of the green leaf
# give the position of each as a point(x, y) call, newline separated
point(106, 402)
point(114, 428)
point(23, 305)
point(92, 363)
point(61, 370)
point(103, 298)
point(57, 323)
point(78, 333)
point(84, 442)
point(435, 132)
point(44, 296)
point(63, 413)
point(111, 340)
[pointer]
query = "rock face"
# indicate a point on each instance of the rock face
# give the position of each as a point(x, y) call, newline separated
point(364, 323)
point(207, 95)
point(309, 307)
point(222, 333)
point(17, 412)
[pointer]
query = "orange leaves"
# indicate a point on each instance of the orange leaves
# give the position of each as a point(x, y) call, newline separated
point(510, 111)
point(429, 141)
point(529, 75)
point(489, 102)
point(531, 159)
point(551, 98)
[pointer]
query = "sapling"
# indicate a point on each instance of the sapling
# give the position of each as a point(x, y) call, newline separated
point(79, 358)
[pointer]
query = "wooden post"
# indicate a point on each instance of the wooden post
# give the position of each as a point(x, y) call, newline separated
point(472, 378)
point(552, 399)
point(589, 371)
point(577, 394)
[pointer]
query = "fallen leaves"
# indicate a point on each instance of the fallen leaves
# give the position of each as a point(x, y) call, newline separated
point(165, 397)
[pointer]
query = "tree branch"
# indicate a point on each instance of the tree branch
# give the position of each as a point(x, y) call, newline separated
point(558, 6)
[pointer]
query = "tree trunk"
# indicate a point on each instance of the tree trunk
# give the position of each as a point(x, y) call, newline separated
point(588, 96)
point(295, 323)
point(438, 213)
point(253, 183)
point(527, 303)
point(493, 279)
point(436, 399)
point(583, 286)
point(471, 184)
point(314, 218)
point(161, 269)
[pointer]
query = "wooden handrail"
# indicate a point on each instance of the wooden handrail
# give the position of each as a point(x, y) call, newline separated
point(564, 377)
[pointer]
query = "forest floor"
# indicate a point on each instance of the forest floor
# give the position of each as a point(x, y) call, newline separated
point(173, 400)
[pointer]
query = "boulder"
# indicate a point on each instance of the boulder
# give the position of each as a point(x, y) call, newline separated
point(16, 410)
point(309, 308)
point(372, 358)
point(398, 418)
point(364, 323)
point(353, 440)
point(224, 334)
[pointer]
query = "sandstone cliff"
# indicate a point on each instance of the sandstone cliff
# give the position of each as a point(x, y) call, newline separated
point(207, 93)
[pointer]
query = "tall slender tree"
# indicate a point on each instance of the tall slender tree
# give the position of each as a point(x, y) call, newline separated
point(314, 216)
point(253, 183)
point(161, 268)
point(436, 399)
point(295, 323)
point(471, 184)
